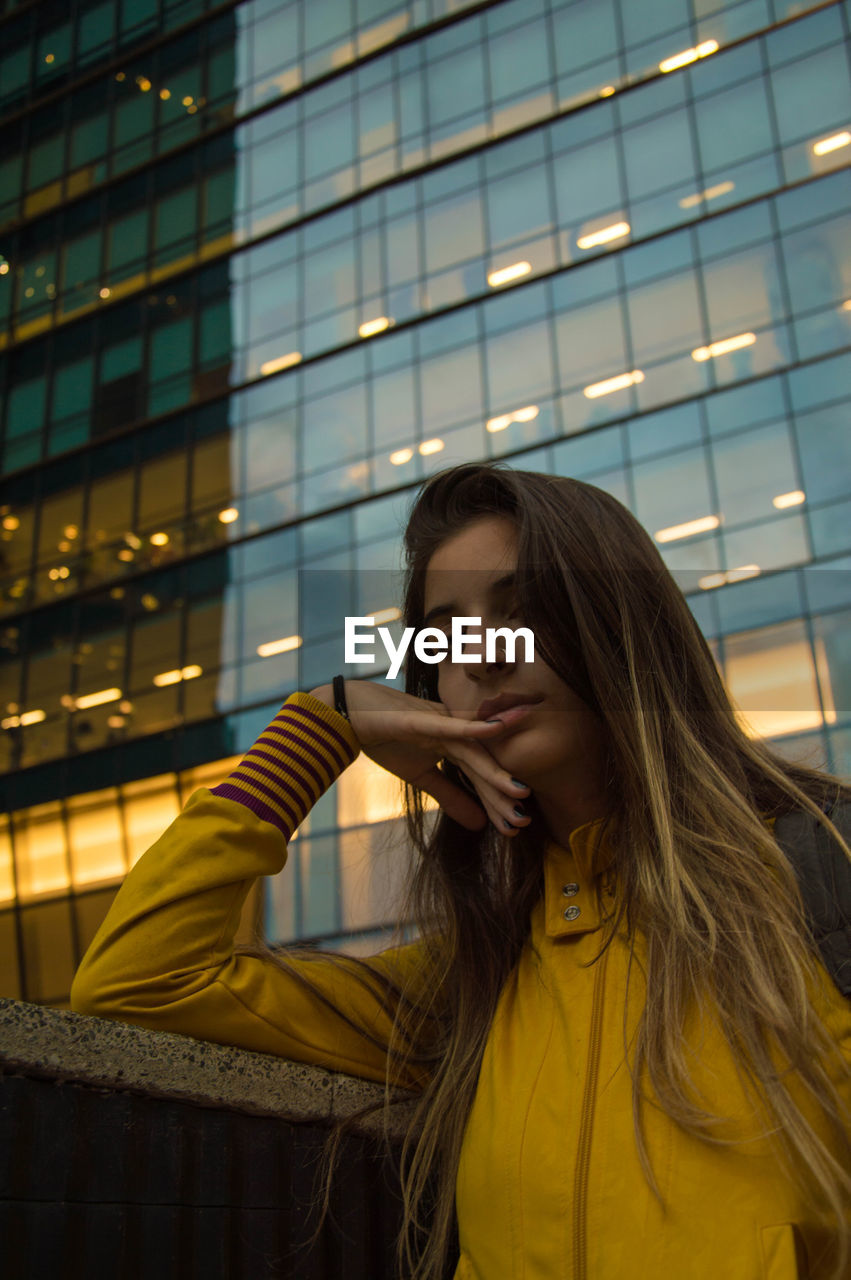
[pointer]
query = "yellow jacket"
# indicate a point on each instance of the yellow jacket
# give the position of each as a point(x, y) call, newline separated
point(549, 1184)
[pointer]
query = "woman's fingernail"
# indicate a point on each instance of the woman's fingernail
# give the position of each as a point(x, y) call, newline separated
point(520, 811)
point(493, 722)
point(508, 824)
point(517, 783)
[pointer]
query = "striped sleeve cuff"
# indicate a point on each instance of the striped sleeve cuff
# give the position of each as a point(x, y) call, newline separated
point(293, 762)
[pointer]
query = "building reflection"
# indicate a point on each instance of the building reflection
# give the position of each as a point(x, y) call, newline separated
point(262, 271)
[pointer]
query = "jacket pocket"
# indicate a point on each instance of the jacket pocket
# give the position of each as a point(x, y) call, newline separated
point(782, 1252)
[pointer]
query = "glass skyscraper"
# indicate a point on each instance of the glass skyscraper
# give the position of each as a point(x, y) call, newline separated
point(265, 266)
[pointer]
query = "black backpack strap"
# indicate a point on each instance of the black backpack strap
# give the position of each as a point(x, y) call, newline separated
point(824, 878)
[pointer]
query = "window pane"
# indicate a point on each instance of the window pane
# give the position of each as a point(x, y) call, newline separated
point(824, 442)
point(150, 806)
point(49, 961)
point(812, 94)
point(162, 491)
point(742, 290)
point(40, 851)
point(590, 343)
point(127, 243)
point(94, 834)
point(818, 266)
point(658, 154)
point(274, 301)
point(587, 182)
point(450, 388)
point(455, 85)
point(519, 367)
point(329, 142)
point(518, 206)
point(752, 470)
point(833, 663)
point(270, 450)
point(155, 648)
point(334, 427)
point(671, 491)
point(584, 32)
point(329, 279)
point(394, 407)
point(453, 231)
point(664, 317)
point(734, 125)
point(171, 349)
point(771, 676)
point(176, 217)
point(518, 60)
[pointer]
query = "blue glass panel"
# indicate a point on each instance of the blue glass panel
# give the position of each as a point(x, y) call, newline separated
point(653, 16)
point(658, 154)
point(589, 453)
point(587, 181)
point(584, 32)
point(455, 85)
point(831, 528)
point(820, 383)
point(789, 43)
point(824, 442)
point(745, 406)
point(757, 602)
point(812, 95)
point(518, 60)
point(831, 194)
point(670, 429)
point(734, 124)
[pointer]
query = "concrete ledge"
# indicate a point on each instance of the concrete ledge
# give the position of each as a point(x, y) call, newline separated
point(39, 1041)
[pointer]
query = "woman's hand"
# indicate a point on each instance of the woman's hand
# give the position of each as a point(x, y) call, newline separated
point(408, 736)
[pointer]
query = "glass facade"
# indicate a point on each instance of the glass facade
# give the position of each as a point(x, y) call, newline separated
point(265, 266)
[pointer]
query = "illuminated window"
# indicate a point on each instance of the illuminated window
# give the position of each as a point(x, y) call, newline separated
point(150, 806)
point(95, 838)
point(771, 676)
point(41, 858)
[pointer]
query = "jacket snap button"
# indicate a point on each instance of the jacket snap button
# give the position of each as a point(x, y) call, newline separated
point(570, 913)
point(570, 890)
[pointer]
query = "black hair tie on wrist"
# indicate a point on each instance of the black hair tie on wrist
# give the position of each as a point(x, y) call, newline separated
point(339, 687)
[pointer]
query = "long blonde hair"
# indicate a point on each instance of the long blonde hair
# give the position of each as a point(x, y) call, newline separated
point(700, 876)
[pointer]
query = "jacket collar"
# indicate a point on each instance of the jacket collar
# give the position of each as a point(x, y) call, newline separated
point(575, 899)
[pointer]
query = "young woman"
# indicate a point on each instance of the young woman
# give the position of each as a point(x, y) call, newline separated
point(631, 1062)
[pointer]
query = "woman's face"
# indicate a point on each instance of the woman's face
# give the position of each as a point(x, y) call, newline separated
point(558, 737)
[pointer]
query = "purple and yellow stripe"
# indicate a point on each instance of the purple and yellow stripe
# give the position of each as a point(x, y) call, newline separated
point(294, 761)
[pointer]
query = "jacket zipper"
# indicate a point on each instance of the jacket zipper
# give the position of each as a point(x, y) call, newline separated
point(589, 1098)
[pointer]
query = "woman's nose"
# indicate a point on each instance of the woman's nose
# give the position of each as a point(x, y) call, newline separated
point(482, 667)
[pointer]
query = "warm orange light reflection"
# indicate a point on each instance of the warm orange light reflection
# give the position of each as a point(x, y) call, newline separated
point(619, 383)
point(514, 272)
point(503, 420)
point(771, 675)
point(371, 327)
point(702, 525)
point(833, 143)
point(280, 362)
point(95, 838)
point(284, 645)
point(616, 231)
point(689, 55)
point(792, 499)
point(724, 347)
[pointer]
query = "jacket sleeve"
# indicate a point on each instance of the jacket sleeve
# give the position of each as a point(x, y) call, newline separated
point(164, 956)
